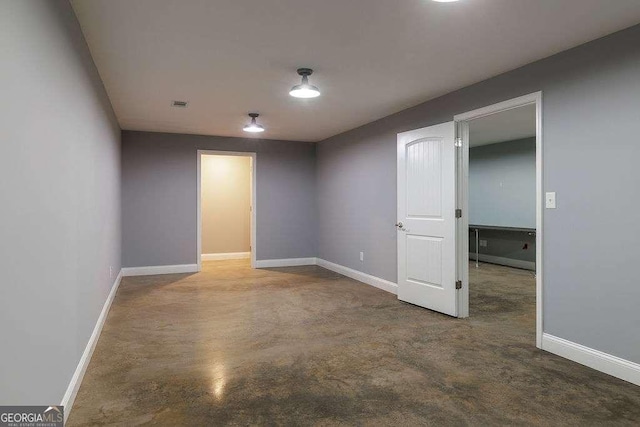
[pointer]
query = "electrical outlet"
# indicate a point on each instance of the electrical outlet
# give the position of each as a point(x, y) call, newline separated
point(483, 243)
point(550, 200)
point(361, 256)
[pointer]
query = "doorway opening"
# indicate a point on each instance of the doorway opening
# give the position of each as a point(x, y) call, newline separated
point(226, 206)
point(499, 235)
point(433, 207)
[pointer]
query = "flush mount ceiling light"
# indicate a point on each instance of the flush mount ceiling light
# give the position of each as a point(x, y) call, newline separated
point(253, 126)
point(304, 90)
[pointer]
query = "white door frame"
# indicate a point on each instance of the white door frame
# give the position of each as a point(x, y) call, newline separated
point(253, 157)
point(462, 126)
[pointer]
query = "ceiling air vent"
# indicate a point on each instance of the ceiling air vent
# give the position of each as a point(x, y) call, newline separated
point(179, 104)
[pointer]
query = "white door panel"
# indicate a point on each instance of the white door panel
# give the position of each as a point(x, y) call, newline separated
point(426, 218)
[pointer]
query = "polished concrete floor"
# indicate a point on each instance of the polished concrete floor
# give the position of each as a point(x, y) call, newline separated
point(305, 346)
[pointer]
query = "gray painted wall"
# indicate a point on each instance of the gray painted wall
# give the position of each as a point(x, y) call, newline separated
point(60, 193)
point(505, 247)
point(502, 192)
point(502, 184)
point(591, 147)
point(159, 197)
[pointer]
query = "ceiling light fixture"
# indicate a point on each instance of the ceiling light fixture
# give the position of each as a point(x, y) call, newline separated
point(445, 1)
point(304, 90)
point(253, 126)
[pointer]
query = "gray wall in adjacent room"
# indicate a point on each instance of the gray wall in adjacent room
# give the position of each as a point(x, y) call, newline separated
point(502, 193)
point(502, 184)
point(60, 195)
point(513, 248)
point(590, 149)
point(159, 197)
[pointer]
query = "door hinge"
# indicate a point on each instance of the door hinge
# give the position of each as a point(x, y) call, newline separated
point(458, 284)
point(458, 213)
point(458, 142)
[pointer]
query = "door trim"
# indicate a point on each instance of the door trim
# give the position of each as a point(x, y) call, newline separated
point(253, 233)
point(462, 127)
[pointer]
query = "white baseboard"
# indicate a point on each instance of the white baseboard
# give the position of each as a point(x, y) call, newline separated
point(368, 279)
point(290, 262)
point(230, 255)
point(159, 269)
point(379, 283)
point(72, 390)
point(603, 362)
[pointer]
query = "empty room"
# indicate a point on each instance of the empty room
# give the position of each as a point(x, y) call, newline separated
point(295, 212)
point(501, 187)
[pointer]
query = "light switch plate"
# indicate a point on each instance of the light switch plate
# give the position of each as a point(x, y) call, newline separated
point(550, 200)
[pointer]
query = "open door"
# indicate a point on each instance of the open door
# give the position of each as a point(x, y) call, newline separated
point(427, 218)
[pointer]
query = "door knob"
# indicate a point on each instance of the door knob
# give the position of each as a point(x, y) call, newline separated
point(401, 226)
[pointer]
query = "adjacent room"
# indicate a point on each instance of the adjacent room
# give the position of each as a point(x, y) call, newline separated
point(286, 212)
point(226, 206)
point(503, 216)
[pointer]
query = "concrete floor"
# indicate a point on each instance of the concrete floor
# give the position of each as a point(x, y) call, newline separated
point(305, 346)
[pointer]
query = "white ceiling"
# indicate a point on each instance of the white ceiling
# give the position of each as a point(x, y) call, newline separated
point(510, 125)
point(372, 57)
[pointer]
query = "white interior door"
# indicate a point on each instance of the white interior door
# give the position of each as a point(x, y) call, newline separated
point(427, 218)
